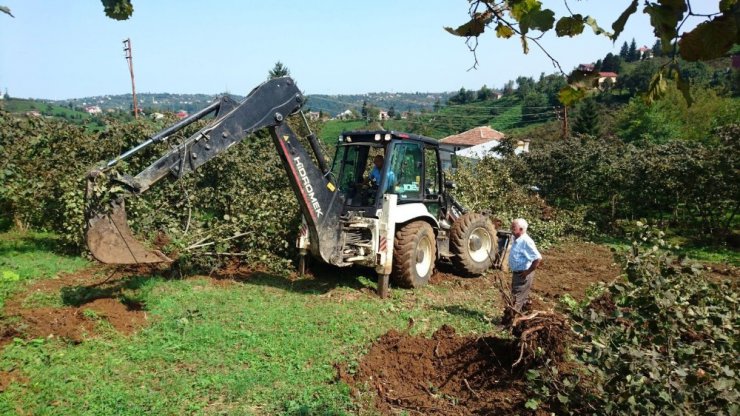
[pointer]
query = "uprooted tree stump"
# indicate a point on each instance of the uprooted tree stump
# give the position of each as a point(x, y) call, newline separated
point(540, 335)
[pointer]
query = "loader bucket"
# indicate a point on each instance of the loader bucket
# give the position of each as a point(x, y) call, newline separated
point(111, 241)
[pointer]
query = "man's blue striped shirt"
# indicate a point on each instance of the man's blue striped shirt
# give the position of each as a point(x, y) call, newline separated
point(523, 253)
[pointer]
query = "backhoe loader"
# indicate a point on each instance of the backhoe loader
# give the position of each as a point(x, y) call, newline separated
point(400, 223)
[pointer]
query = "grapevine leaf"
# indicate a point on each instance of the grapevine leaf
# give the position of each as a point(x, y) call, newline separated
point(519, 8)
point(6, 10)
point(504, 31)
point(726, 5)
point(475, 27)
point(570, 95)
point(569, 26)
point(598, 30)
point(709, 40)
point(618, 25)
point(525, 45)
point(118, 9)
point(683, 85)
point(664, 18)
point(656, 88)
point(542, 20)
point(532, 404)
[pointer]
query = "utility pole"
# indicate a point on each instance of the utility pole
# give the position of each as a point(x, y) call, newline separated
point(130, 60)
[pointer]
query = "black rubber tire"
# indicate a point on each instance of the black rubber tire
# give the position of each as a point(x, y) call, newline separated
point(408, 242)
point(462, 257)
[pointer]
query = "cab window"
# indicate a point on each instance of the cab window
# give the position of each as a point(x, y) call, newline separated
point(405, 171)
point(431, 174)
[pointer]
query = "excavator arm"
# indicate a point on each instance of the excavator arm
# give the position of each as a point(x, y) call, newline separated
point(108, 235)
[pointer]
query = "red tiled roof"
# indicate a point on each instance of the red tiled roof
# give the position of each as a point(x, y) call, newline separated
point(473, 137)
point(608, 74)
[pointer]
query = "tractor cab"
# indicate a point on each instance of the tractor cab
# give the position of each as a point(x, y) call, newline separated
point(370, 164)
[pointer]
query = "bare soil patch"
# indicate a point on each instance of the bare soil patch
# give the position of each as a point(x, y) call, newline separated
point(93, 295)
point(442, 375)
point(572, 268)
point(9, 377)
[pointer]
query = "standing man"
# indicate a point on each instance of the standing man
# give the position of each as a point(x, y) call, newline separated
point(523, 261)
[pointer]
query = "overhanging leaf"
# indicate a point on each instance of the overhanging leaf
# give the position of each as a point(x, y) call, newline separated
point(118, 9)
point(598, 30)
point(709, 40)
point(569, 26)
point(504, 31)
point(664, 18)
point(475, 27)
point(656, 89)
point(542, 20)
point(618, 25)
point(570, 95)
point(682, 84)
point(525, 45)
point(726, 5)
point(6, 10)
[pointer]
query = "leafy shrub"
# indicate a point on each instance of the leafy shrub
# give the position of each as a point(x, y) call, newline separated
point(664, 340)
point(491, 185)
point(243, 192)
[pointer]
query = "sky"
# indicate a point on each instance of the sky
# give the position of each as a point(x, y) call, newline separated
point(57, 49)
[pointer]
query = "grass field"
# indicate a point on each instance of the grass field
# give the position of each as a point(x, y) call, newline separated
point(254, 344)
point(16, 105)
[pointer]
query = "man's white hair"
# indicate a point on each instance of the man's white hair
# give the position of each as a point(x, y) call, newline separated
point(522, 223)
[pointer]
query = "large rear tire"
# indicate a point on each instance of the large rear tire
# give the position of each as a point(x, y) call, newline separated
point(473, 244)
point(414, 253)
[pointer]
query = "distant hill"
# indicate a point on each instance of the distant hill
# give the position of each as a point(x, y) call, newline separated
point(329, 104)
point(504, 114)
point(400, 101)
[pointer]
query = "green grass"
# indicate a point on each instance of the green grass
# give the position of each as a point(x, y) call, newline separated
point(703, 253)
point(16, 105)
point(504, 115)
point(331, 130)
point(28, 256)
point(264, 345)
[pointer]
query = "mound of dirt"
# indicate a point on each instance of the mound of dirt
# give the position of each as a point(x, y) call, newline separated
point(442, 375)
point(571, 268)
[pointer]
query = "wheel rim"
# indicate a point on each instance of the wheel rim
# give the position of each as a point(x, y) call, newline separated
point(423, 256)
point(479, 244)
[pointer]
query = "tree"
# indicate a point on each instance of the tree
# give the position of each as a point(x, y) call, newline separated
point(633, 55)
point(463, 96)
point(528, 21)
point(611, 63)
point(364, 109)
point(484, 93)
point(437, 105)
point(586, 120)
point(508, 88)
point(657, 48)
point(639, 78)
point(624, 51)
point(278, 71)
point(525, 85)
point(392, 112)
point(535, 107)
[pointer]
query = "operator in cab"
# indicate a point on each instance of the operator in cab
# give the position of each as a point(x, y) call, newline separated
point(376, 172)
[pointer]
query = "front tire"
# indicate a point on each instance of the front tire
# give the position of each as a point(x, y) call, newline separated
point(414, 253)
point(473, 244)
